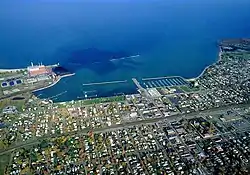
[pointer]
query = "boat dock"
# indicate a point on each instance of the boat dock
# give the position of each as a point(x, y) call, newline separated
point(164, 82)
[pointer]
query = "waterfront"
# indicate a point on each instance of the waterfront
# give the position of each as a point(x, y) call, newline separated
point(193, 131)
point(114, 88)
point(174, 42)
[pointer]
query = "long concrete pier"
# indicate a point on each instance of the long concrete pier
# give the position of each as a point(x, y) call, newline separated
point(102, 83)
point(133, 56)
point(138, 84)
point(57, 95)
point(142, 91)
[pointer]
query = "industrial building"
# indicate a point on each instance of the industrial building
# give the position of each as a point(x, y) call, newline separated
point(35, 70)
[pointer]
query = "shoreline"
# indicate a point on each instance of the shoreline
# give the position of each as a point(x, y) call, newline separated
point(12, 70)
point(219, 58)
point(42, 88)
point(147, 78)
point(188, 79)
point(24, 69)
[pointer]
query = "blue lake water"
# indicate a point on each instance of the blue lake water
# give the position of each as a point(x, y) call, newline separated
point(172, 37)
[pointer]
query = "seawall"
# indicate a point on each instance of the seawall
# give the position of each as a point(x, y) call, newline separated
point(54, 83)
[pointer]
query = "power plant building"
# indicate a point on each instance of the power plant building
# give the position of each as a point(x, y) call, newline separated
point(38, 70)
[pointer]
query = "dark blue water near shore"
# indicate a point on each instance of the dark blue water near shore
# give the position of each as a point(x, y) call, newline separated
point(172, 37)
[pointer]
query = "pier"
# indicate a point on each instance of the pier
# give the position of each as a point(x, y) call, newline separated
point(50, 98)
point(133, 56)
point(103, 83)
point(138, 84)
point(141, 89)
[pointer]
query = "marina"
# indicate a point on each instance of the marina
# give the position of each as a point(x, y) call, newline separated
point(101, 89)
point(126, 87)
point(163, 82)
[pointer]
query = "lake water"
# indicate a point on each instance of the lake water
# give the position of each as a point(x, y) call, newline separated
point(172, 37)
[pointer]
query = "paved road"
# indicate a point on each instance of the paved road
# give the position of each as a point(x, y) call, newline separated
point(24, 144)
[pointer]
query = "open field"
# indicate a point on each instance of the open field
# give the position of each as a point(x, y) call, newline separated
point(98, 100)
point(103, 100)
point(18, 103)
point(4, 161)
point(188, 89)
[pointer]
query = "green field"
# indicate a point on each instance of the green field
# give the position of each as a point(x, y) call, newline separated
point(18, 103)
point(188, 89)
point(95, 101)
point(103, 100)
point(4, 161)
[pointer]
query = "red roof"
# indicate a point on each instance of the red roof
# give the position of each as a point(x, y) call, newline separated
point(40, 71)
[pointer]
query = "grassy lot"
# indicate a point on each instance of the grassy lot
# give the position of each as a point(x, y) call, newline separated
point(8, 102)
point(188, 89)
point(18, 103)
point(4, 161)
point(9, 74)
point(95, 101)
point(103, 100)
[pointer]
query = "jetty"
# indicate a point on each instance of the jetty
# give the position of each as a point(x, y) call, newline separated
point(141, 89)
point(122, 58)
point(57, 95)
point(137, 84)
point(103, 83)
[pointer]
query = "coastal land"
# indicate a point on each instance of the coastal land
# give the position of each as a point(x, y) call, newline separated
point(171, 125)
point(24, 69)
point(30, 79)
